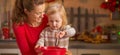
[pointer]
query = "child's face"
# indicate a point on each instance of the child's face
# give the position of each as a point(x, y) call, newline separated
point(55, 21)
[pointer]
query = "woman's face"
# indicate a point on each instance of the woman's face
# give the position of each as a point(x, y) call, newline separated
point(55, 21)
point(36, 14)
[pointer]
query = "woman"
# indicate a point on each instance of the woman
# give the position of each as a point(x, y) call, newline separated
point(28, 22)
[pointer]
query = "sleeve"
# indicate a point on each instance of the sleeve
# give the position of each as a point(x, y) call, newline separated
point(41, 39)
point(70, 31)
point(21, 39)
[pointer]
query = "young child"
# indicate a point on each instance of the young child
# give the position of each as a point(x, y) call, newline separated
point(58, 31)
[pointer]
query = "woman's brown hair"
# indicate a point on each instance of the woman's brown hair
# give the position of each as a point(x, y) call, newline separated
point(18, 15)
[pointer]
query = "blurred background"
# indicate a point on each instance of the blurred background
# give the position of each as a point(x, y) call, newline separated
point(97, 23)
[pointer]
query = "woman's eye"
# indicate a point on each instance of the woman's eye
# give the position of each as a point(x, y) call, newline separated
point(38, 13)
point(51, 21)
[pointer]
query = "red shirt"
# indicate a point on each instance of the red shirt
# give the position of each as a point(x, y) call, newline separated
point(27, 36)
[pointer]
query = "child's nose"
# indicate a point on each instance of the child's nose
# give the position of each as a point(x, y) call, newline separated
point(54, 24)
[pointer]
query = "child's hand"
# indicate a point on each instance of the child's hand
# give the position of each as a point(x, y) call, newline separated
point(37, 46)
point(60, 34)
point(37, 49)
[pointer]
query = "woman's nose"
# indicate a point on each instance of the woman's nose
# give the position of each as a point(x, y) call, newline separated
point(41, 15)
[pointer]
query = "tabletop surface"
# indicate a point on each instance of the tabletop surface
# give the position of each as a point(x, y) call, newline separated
point(72, 44)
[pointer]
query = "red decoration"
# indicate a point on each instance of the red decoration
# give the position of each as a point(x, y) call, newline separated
point(5, 31)
point(49, 1)
point(97, 29)
point(111, 5)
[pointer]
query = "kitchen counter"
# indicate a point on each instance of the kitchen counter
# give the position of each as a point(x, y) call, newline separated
point(83, 45)
point(9, 44)
point(72, 44)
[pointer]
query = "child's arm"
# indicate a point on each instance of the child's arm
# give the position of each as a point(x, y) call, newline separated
point(70, 31)
point(40, 42)
point(67, 32)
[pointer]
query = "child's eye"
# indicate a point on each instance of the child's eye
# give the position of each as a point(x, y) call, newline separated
point(57, 21)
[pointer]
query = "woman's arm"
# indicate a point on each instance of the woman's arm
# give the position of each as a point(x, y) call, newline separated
point(21, 38)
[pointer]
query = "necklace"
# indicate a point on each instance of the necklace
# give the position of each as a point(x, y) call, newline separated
point(34, 24)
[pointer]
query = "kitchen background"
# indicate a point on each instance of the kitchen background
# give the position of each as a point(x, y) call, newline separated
point(86, 16)
point(83, 15)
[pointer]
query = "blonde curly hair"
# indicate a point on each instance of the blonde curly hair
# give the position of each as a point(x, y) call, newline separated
point(54, 7)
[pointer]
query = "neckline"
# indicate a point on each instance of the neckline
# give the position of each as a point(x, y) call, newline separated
point(31, 26)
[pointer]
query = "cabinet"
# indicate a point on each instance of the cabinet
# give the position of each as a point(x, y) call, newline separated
point(9, 47)
point(98, 52)
point(95, 51)
point(6, 51)
point(74, 51)
point(80, 48)
point(77, 48)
